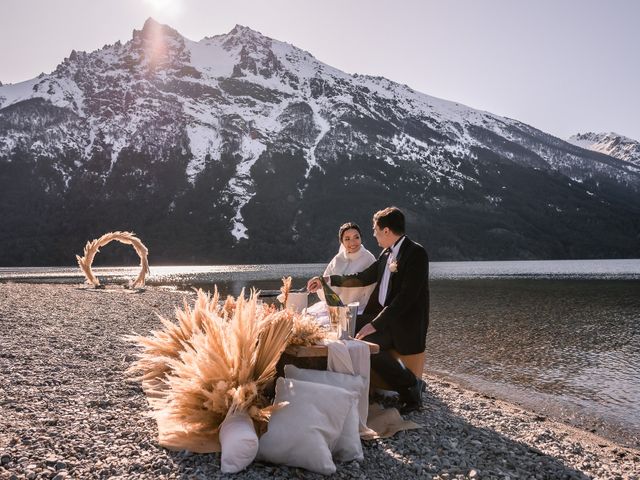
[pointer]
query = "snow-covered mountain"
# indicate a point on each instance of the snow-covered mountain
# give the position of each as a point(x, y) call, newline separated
point(237, 146)
point(612, 144)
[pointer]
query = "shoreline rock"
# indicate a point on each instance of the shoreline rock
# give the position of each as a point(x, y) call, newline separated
point(67, 411)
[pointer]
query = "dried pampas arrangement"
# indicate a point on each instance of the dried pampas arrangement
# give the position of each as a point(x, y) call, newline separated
point(307, 331)
point(216, 360)
point(93, 247)
point(284, 291)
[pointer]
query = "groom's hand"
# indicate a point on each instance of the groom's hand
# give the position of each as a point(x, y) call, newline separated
point(365, 331)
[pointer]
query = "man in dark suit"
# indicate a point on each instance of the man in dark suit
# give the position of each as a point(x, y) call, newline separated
point(397, 314)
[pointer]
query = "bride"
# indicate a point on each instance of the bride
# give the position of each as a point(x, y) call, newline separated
point(351, 258)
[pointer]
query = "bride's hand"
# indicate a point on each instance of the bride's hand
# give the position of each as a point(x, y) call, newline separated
point(314, 285)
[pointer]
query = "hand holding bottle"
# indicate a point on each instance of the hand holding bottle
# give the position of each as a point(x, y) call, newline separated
point(330, 297)
point(314, 284)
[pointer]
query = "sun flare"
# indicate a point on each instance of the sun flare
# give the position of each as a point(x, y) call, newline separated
point(169, 7)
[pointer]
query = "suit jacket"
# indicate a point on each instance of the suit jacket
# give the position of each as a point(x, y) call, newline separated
point(405, 313)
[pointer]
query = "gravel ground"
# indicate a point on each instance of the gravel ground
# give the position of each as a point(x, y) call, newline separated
point(66, 410)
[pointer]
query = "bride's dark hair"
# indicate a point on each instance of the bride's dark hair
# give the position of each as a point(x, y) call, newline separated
point(348, 226)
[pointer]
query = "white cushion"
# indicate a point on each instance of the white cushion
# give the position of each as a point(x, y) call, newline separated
point(348, 446)
point(238, 442)
point(303, 433)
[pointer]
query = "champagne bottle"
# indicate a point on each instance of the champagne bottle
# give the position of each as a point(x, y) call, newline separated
point(331, 297)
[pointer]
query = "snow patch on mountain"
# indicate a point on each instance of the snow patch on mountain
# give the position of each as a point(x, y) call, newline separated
point(613, 144)
point(324, 127)
point(203, 140)
point(210, 58)
point(17, 92)
point(61, 92)
point(242, 183)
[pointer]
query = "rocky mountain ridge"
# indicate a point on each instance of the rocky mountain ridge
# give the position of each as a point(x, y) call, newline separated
point(241, 148)
point(612, 144)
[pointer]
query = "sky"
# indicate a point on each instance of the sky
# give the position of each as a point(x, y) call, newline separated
point(563, 66)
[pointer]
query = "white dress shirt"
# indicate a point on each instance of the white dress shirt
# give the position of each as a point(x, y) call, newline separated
point(384, 281)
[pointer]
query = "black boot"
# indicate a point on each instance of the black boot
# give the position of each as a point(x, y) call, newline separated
point(412, 397)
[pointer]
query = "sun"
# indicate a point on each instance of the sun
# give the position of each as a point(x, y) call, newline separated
point(168, 7)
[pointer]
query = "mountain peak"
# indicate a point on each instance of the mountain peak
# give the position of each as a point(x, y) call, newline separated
point(245, 36)
point(610, 143)
point(241, 30)
point(153, 29)
point(158, 45)
point(599, 137)
point(150, 23)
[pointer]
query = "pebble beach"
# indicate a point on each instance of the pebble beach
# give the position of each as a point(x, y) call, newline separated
point(67, 409)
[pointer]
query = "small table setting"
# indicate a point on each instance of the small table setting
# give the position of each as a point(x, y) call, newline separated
point(230, 376)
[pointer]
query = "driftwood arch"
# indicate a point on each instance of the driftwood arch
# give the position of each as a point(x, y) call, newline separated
point(93, 247)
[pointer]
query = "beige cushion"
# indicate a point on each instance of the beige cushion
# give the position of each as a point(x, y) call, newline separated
point(304, 432)
point(349, 446)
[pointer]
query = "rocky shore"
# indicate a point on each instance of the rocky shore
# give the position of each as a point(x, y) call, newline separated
point(67, 410)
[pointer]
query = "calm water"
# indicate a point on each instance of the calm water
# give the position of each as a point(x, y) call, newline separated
point(569, 348)
point(561, 337)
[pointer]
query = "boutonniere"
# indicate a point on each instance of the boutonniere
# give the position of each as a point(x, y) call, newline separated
point(393, 266)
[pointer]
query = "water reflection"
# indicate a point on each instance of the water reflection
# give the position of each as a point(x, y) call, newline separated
point(571, 343)
point(230, 279)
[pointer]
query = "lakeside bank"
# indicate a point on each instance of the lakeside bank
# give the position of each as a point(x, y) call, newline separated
point(66, 408)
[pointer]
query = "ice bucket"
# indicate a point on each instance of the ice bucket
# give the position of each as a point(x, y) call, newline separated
point(353, 316)
point(343, 320)
point(297, 301)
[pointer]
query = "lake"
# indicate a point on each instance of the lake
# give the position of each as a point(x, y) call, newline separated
point(558, 337)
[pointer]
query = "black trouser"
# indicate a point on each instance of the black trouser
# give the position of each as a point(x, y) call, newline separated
point(393, 372)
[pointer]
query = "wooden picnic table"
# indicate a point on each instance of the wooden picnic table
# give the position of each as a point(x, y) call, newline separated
point(313, 351)
point(313, 356)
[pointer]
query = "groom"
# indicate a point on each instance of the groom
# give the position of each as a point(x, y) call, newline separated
point(397, 314)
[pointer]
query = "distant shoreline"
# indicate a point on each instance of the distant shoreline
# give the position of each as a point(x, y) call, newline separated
point(620, 269)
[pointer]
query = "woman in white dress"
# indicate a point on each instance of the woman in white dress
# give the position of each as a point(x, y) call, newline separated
point(351, 258)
